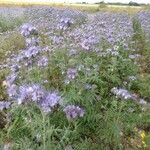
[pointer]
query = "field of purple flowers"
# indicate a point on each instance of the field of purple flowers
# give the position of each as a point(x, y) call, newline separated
point(73, 80)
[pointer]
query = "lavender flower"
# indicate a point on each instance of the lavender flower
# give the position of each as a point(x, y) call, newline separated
point(65, 23)
point(4, 105)
point(12, 90)
point(142, 102)
point(33, 93)
point(11, 79)
point(32, 51)
point(38, 93)
point(122, 93)
point(24, 93)
point(71, 73)
point(27, 30)
point(43, 62)
point(73, 111)
point(50, 101)
point(85, 45)
point(15, 68)
point(32, 42)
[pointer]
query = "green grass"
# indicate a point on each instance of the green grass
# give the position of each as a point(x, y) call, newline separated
point(10, 23)
point(10, 43)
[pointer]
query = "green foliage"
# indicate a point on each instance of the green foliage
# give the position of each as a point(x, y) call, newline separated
point(9, 23)
point(144, 86)
point(143, 47)
point(10, 43)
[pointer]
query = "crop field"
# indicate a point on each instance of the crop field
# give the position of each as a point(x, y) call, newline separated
point(74, 78)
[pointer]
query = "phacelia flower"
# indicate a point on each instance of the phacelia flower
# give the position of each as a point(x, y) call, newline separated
point(122, 93)
point(4, 105)
point(12, 91)
point(32, 51)
point(65, 23)
point(51, 100)
point(73, 111)
point(33, 93)
point(71, 73)
point(27, 30)
point(15, 68)
point(11, 79)
point(43, 62)
point(32, 42)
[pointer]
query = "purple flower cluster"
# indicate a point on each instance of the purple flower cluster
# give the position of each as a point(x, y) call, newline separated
point(4, 105)
point(35, 93)
point(65, 23)
point(122, 93)
point(33, 41)
point(27, 30)
point(15, 68)
point(72, 73)
point(11, 79)
point(43, 62)
point(57, 39)
point(30, 92)
point(144, 17)
point(32, 52)
point(73, 111)
point(12, 90)
point(51, 100)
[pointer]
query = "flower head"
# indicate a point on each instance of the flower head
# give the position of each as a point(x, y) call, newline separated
point(4, 105)
point(15, 68)
point(33, 93)
point(27, 30)
point(50, 101)
point(32, 51)
point(11, 79)
point(12, 90)
point(122, 93)
point(71, 73)
point(73, 111)
point(43, 62)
